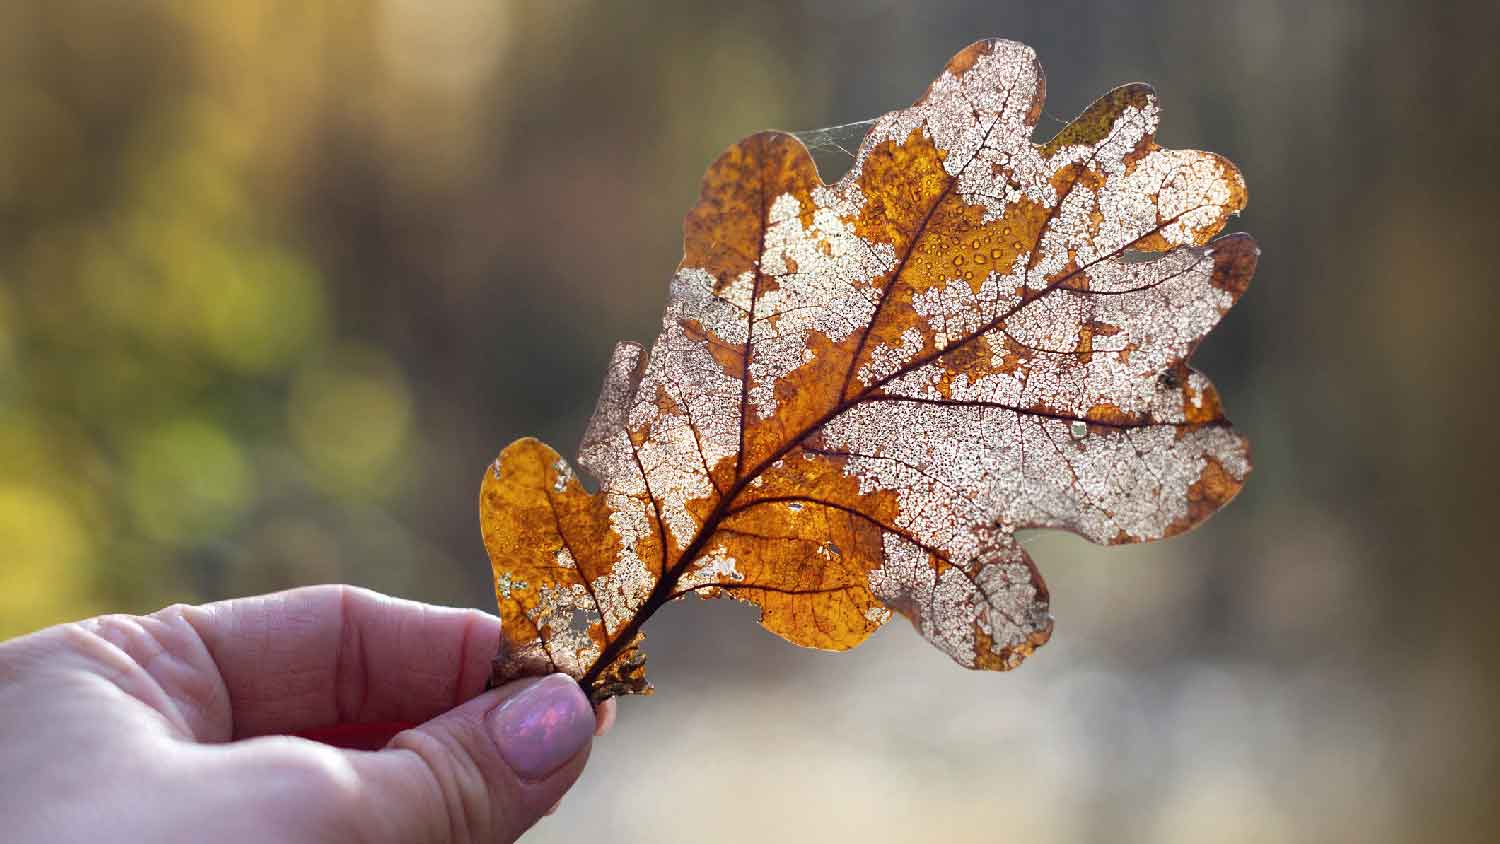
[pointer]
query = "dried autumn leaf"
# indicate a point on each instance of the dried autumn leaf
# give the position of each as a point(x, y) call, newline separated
point(862, 391)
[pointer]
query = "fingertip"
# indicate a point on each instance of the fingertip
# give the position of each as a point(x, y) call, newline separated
point(604, 717)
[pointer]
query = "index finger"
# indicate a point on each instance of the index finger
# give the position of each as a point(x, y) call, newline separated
point(323, 655)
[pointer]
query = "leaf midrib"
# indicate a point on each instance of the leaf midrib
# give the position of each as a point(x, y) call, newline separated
point(665, 587)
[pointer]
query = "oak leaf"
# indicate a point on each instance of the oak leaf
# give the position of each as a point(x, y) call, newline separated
point(863, 390)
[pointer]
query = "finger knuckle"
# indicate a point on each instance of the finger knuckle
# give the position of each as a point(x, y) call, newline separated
point(454, 779)
point(326, 773)
point(310, 788)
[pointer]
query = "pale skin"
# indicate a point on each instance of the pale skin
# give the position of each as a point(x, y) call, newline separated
point(177, 726)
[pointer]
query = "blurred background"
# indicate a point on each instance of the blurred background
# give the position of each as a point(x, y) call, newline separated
point(279, 279)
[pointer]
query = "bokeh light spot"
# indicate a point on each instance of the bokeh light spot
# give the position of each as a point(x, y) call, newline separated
point(350, 417)
point(187, 480)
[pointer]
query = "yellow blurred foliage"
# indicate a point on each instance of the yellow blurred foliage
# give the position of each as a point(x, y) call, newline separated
point(43, 580)
point(168, 368)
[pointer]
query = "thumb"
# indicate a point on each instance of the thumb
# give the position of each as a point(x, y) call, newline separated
point(486, 770)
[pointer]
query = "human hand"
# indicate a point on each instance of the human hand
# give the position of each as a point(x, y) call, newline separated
point(175, 726)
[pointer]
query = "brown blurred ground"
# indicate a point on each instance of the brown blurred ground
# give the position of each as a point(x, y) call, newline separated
point(277, 280)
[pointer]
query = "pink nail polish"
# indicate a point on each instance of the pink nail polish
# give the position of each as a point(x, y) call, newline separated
point(542, 726)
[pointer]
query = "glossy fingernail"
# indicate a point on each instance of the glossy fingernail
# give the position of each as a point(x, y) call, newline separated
point(542, 726)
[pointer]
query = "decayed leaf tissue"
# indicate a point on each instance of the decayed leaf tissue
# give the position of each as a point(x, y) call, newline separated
point(861, 391)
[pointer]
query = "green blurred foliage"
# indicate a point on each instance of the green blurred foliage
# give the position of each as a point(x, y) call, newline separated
point(162, 326)
point(350, 419)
